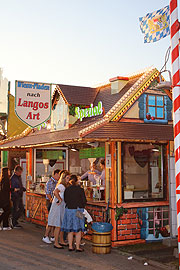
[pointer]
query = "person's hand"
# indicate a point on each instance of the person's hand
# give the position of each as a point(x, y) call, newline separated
point(59, 202)
point(16, 189)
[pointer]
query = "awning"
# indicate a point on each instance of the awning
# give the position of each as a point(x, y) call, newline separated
point(111, 131)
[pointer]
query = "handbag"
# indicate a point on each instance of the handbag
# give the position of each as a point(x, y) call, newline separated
point(79, 214)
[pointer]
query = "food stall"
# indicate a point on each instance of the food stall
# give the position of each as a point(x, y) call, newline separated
point(136, 147)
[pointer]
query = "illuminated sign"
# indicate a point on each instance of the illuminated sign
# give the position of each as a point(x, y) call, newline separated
point(33, 102)
point(92, 153)
point(89, 112)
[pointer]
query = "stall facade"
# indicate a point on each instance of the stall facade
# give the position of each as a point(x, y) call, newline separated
point(128, 123)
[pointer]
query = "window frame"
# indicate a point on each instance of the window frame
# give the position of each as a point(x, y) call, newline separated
point(165, 175)
point(155, 106)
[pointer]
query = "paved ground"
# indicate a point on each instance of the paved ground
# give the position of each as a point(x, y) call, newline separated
point(156, 251)
point(23, 249)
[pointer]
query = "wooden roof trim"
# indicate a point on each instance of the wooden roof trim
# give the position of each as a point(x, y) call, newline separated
point(36, 145)
point(58, 89)
point(133, 94)
point(16, 137)
point(85, 131)
point(140, 73)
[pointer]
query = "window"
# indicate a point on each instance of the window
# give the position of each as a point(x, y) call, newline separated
point(156, 109)
point(48, 160)
point(154, 220)
point(144, 171)
point(158, 217)
point(155, 106)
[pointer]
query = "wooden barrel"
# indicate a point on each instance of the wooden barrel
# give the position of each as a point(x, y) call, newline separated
point(101, 242)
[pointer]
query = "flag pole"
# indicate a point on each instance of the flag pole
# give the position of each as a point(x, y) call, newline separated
point(174, 31)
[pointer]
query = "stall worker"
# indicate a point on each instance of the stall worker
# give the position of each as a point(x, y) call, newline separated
point(91, 173)
point(102, 179)
point(50, 187)
point(102, 176)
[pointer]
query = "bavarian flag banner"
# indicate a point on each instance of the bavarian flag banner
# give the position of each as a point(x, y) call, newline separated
point(155, 25)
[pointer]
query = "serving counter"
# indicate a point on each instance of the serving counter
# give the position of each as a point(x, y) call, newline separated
point(36, 210)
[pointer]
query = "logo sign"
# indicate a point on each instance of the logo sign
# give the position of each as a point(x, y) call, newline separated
point(33, 102)
point(89, 112)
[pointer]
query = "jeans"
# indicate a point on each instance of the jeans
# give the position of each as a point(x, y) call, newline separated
point(18, 209)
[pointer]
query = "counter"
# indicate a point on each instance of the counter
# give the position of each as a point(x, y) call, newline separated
point(95, 193)
point(36, 210)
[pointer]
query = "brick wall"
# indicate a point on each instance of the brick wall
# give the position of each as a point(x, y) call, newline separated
point(128, 227)
point(97, 212)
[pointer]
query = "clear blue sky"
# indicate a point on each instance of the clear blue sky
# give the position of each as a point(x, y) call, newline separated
point(77, 42)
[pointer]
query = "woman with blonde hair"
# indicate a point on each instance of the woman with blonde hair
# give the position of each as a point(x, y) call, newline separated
point(56, 213)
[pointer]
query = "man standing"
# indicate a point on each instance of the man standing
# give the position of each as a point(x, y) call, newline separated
point(17, 190)
point(50, 187)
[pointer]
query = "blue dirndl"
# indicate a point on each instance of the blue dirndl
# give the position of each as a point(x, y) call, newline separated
point(71, 223)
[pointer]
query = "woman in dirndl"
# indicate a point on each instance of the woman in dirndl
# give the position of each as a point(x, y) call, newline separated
point(73, 221)
point(56, 213)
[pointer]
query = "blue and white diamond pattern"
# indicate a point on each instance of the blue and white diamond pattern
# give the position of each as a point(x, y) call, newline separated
point(155, 25)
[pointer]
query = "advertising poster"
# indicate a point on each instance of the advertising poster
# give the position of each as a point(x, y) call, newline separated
point(33, 102)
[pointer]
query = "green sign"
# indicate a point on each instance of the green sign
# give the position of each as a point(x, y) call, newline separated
point(92, 152)
point(89, 112)
point(5, 158)
point(52, 154)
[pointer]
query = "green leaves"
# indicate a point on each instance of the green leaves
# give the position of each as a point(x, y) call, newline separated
point(120, 211)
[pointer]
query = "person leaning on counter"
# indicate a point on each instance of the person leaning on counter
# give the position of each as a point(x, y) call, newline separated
point(91, 173)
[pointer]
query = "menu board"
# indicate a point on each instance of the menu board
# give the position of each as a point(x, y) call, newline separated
point(98, 152)
point(54, 154)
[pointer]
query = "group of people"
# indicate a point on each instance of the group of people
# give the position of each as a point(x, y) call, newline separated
point(66, 201)
point(11, 193)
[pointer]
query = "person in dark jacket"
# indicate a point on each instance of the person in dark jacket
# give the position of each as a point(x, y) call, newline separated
point(5, 197)
point(73, 221)
point(17, 190)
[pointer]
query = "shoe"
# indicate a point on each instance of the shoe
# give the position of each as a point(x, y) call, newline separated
point(52, 239)
point(64, 245)
point(71, 249)
point(7, 228)
point(46, 240)
point(79, 250)
point(81, 244)
point(59, 247)
point(17, 226)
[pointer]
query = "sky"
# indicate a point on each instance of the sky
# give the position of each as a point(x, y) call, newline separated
point(76, 42)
